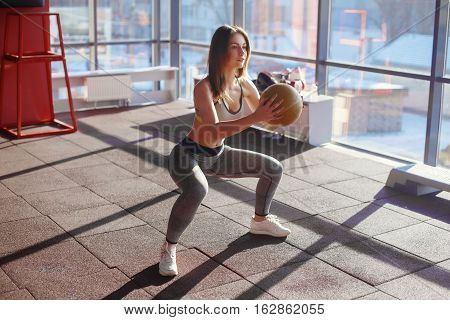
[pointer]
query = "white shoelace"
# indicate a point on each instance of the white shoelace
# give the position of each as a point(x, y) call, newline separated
point(273, 218)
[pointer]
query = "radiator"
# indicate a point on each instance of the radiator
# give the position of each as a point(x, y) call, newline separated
point(103, 88)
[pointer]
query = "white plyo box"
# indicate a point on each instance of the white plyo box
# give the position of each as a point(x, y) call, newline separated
point(320, 119)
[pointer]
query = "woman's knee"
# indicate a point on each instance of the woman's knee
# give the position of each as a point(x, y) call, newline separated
point(196, 190)
point(274, 167)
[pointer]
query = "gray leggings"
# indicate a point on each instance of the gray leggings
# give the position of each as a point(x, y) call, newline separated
point(188, 170)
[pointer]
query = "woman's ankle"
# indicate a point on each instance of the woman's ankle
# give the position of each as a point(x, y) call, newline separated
point(259, 218)
point(170, 244)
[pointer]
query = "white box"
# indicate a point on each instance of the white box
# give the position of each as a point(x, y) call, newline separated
point(320, 119)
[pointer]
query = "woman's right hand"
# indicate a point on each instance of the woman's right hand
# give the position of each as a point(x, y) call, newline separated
point(268, 109)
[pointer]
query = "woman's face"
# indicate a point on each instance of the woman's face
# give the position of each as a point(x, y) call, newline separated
point(237, 51)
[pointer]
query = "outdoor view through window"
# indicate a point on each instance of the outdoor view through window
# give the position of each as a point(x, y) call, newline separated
point(372, 111)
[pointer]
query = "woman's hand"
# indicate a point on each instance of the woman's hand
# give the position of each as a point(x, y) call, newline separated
point(268, 109)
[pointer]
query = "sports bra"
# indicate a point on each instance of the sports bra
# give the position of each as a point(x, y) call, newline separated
point(223, 112)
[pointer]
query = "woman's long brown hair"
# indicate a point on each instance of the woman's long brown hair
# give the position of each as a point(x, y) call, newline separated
point(218, 53)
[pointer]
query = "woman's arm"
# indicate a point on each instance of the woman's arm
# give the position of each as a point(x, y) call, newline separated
point(251, 93)
point(213, 131)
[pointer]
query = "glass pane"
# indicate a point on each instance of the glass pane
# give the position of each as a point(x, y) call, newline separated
point(283, 26)
point(77, 58)
point(124, 20)
point(444, 140)
point(383, 33)
point(447, 65)
point(258, 64)
point(74, 18)
point(193, 63)
point(200, 18)
point(165, 54)
point(165, 19)
point(124, 56)
point(379, 113)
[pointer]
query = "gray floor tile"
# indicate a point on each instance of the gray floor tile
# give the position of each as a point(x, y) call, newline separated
point(226, 193)
point(159, 208)
point(4, 143)
point(85, 160)
point(422, 239)
point(207, 227)
point(372, 261)
point(315, 200)
point(138, 161)
point(21, 167)
point(310, 280)
point(370, 219)
point(287, 184)
point(96, 220)
point(379, 295)
point(380, 177)
point(95, 141)
point(66, 200)
point(59, 262)
point(362, 167)
point(320, 174)
point(251, 254)
point(111, 284)
point(362, 189)
point(443, 195)
point(53, 150)
point(128, 192)
point(6, 284)
point(28, 234)
point(431, 283)
point(196, 273)
point(97, 174)
point(16, 208)
point(39, 182)
point(22, 294)
point(242, 212)
point(158, 144)
point(421, 208)
point(238, 290)
point(5, 192)
point(297, 161)
point(14, 153)
point(316, 234)
point(159, 176)
point(319, 155)
point(127, 246)
point(144, 115)
point(442, 222)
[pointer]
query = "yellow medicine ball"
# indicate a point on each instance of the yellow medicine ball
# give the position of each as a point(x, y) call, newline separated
point(292, 104)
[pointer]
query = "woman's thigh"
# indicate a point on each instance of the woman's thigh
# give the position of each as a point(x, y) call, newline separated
point(185, 171)
point(245, 163)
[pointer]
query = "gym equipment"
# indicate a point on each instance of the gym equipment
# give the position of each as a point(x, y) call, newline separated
point(419, 179)
point(292, 104)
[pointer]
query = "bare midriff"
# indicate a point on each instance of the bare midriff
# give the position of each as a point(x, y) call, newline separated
point(194, 135)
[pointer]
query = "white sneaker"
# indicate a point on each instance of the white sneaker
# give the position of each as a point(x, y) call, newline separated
point(270, 226)
point(168, 261)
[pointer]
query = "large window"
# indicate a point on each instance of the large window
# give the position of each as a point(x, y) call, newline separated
point(123, 36)
point(200, 18)
point(124, 20)
point(374, 57)
point(74, 16)
point(380, 113)
point(193, 63)
point(444, 140)
point(287, 27)
point(383, 33)
point(124, 56)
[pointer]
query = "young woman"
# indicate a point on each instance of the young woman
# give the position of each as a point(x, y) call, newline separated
point(219, 104)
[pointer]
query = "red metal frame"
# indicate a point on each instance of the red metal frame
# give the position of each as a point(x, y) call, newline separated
point(37, 57)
